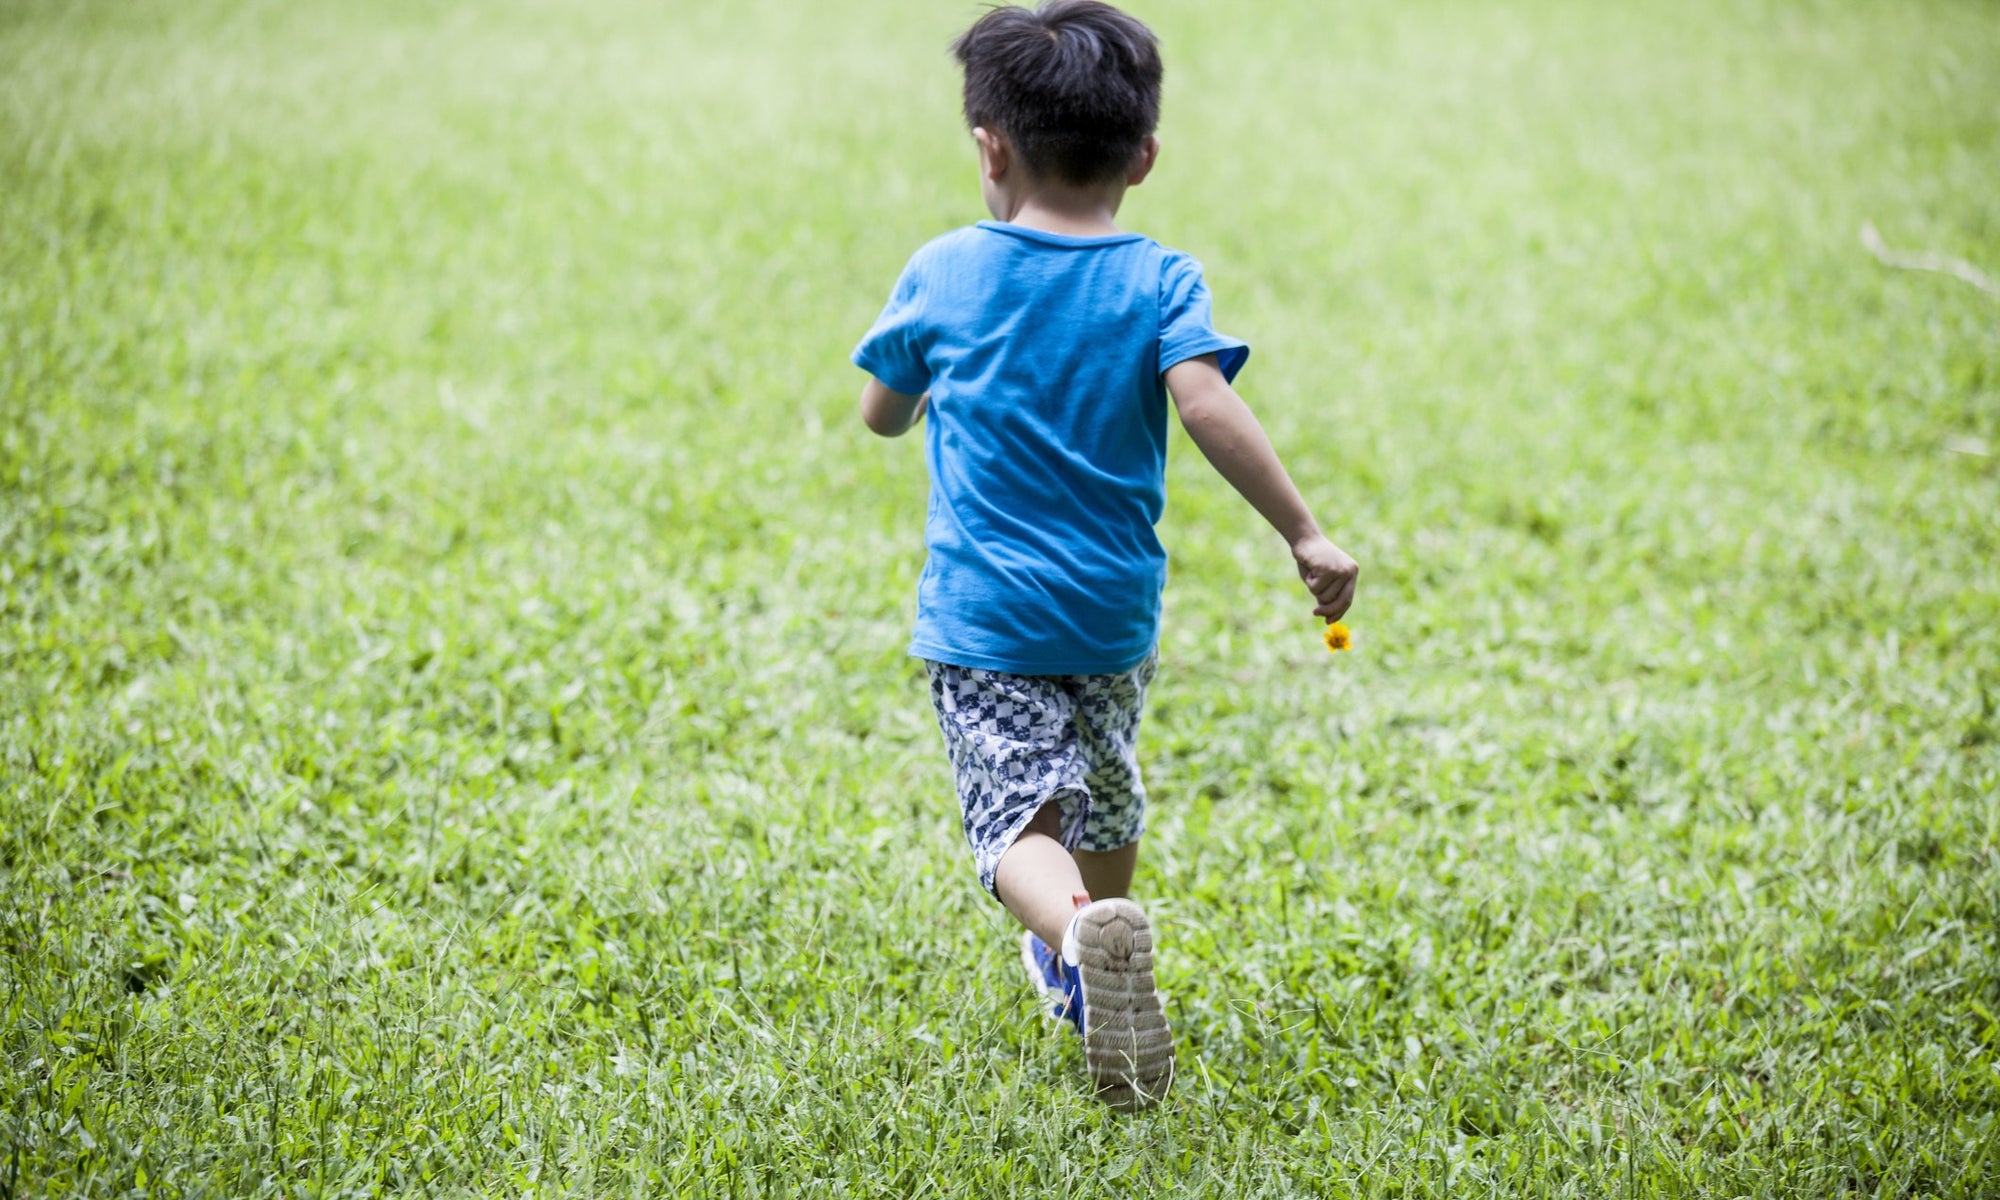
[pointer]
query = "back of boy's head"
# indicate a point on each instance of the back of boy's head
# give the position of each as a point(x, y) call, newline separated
point(1074, 85)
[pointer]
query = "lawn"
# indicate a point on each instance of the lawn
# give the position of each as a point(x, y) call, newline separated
point(455, 735)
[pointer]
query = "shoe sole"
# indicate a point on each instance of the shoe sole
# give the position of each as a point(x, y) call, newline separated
point(1127, 1047)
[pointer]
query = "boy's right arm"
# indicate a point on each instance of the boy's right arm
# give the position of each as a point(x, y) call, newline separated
point(890, 412)
point(1229, 436)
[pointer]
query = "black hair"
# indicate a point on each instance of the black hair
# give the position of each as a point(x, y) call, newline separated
point(1074, 84)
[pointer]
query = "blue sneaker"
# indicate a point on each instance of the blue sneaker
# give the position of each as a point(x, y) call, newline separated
point(1059, 986)
point(1127, 1047)
point(1102, 985)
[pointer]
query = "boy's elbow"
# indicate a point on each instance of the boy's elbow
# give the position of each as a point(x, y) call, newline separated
point(1200, 393)
point(876, 410)
point(879, 423)
point(1199, 412)
point(871, 413)
point(889, 413)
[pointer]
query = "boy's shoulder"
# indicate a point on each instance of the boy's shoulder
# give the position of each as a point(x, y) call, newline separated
point(990, 240)
point(946, 246)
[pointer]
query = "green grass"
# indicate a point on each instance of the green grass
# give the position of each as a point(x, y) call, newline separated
point(454, 732)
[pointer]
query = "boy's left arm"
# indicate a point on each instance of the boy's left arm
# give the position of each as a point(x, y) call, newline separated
point(890, 412)
point(1230, 437)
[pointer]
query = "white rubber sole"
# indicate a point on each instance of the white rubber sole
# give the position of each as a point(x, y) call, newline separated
point(1127, 1047)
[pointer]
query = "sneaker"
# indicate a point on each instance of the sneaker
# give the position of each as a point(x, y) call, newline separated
point(1057, 984)
point(1127, 1047)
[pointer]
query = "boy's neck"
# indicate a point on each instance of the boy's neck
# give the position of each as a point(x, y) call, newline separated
point(1057, 208)
point(1018, 196)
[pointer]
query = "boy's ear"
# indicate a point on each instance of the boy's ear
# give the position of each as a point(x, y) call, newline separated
point(1142, 166)
point(994, 152)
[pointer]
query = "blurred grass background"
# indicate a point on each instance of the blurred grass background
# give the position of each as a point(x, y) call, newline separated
point(454, 733)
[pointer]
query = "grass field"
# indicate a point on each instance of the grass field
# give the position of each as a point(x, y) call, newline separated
point(454, 730)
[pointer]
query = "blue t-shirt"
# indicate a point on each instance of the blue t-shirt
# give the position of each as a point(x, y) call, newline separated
point(1046, 438)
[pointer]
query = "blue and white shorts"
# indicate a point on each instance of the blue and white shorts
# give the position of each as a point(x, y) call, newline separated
point(1018, 742)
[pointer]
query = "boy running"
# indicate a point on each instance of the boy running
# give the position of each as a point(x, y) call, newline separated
point(1044, 345)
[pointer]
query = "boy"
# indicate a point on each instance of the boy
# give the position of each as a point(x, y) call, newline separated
point(1043, 345)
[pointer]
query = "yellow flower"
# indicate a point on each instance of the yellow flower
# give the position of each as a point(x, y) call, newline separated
point(1337, 637)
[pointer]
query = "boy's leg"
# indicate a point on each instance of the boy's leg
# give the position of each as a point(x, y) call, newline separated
point(1108, 951)
point(1108, 712)
point(1108, 873)
point(1019, 770)
point(1127, 1044)
point(1037, 879)
point(1019, 775)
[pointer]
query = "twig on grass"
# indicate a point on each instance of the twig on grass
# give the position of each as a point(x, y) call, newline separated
point(1943, 264)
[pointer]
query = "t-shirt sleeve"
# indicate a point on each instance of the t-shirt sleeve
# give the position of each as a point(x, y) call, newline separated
point(893, 350)
point(1186, 328)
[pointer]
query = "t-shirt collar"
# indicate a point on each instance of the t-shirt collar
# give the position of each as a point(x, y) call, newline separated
point(1060, 239)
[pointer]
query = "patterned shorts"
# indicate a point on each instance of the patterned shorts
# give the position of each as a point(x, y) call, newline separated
point(1018, 742)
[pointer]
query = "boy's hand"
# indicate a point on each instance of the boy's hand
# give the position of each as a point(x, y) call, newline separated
point(1328, 573)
